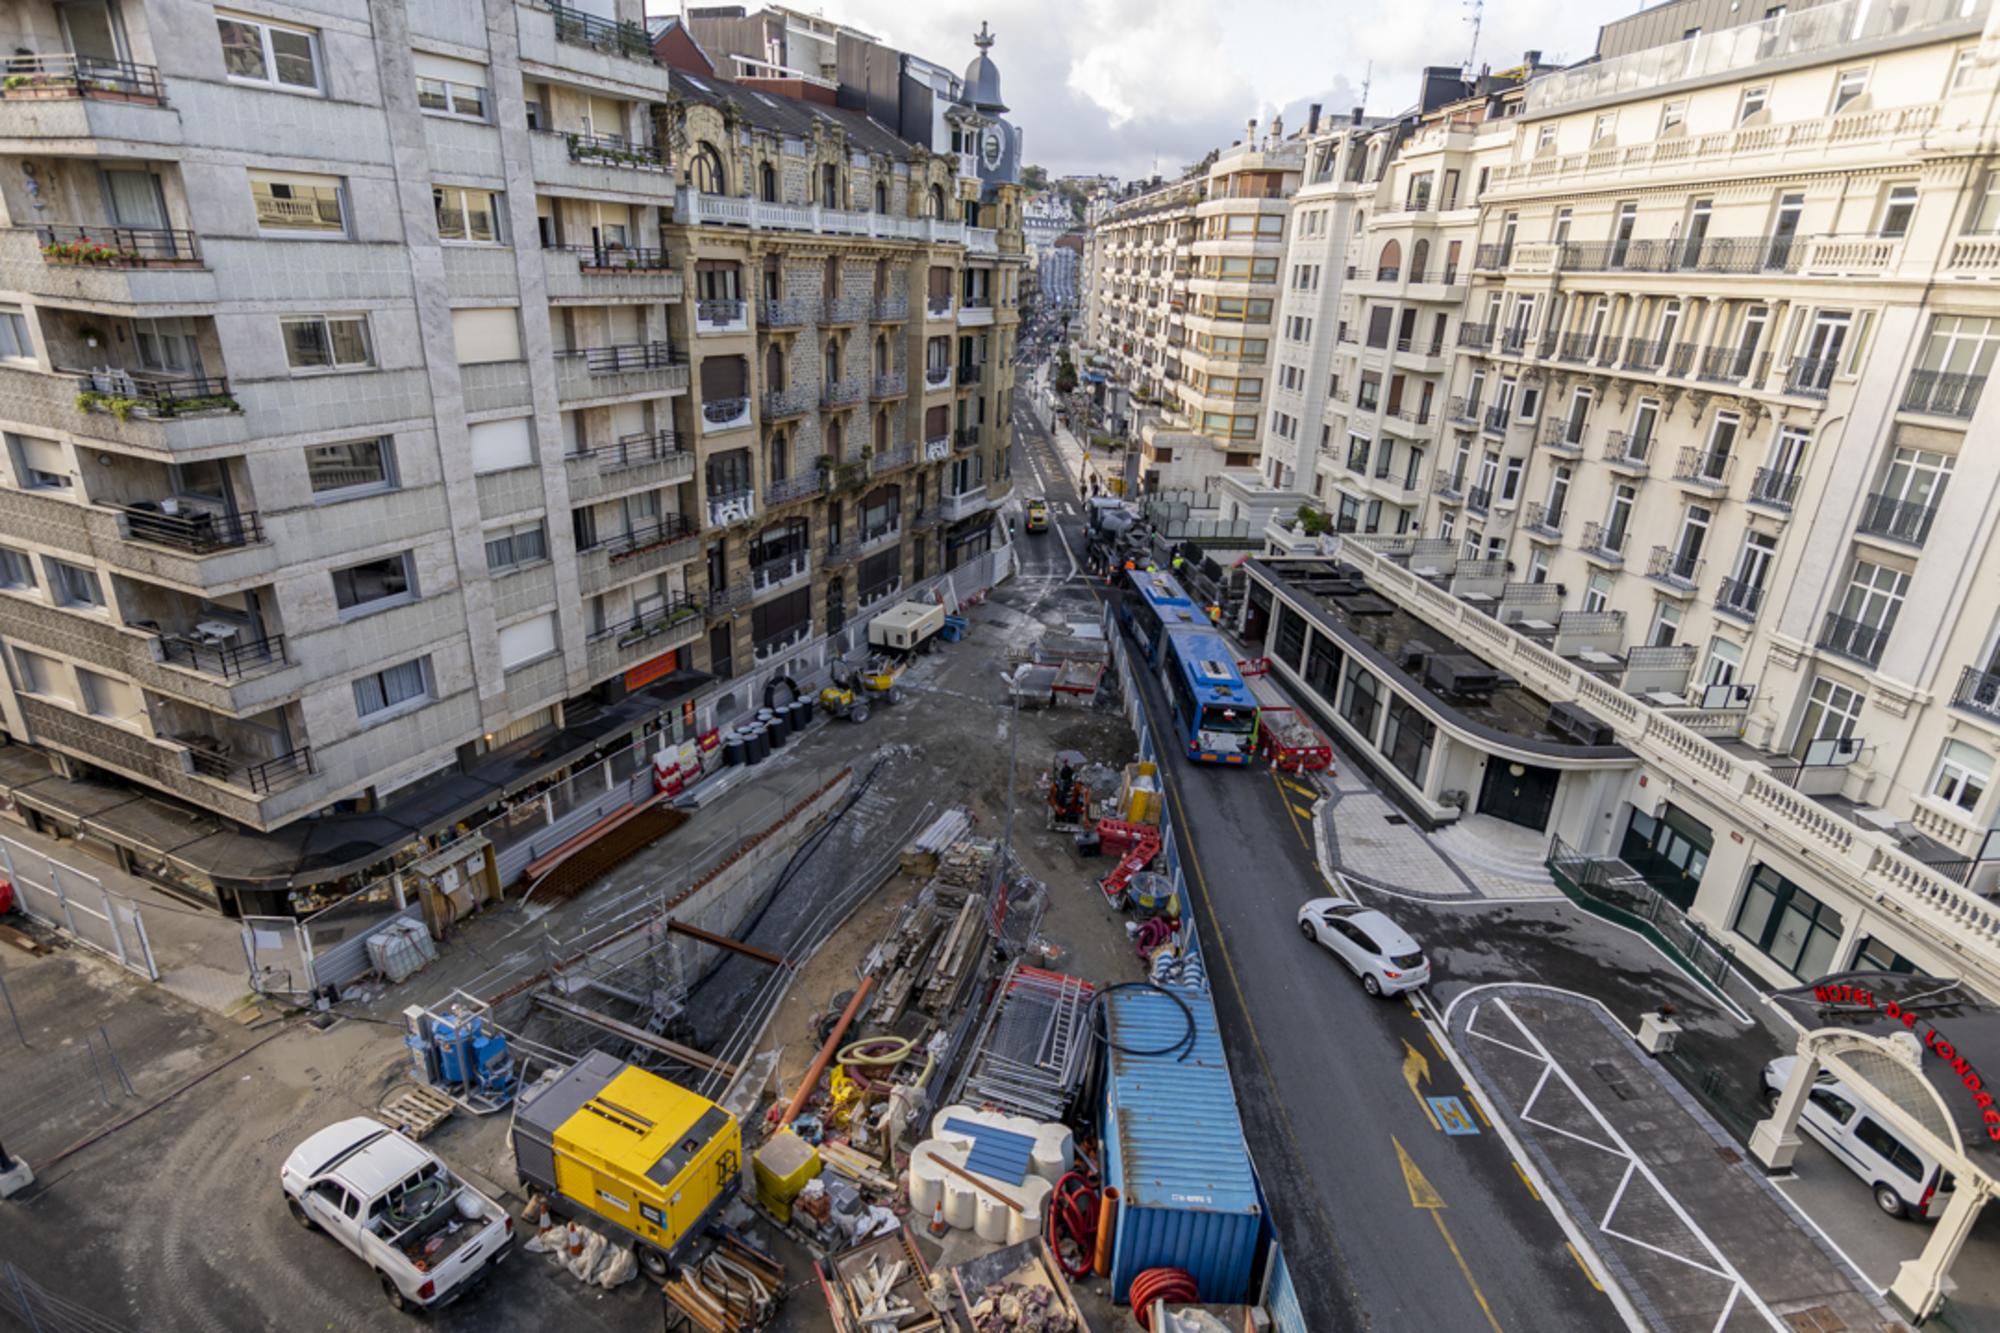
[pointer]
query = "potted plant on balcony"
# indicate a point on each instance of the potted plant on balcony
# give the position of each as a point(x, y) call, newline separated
point(92, 335)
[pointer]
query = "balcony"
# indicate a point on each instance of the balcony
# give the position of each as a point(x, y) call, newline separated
point(720, 315)
point(966, 437)
point(673, 623)
point(889, 386)
point(1564, 437)
point(1541, 520)
point(843, 393)
point(729, 507)
point(1904, 521)
point(1941, 393)
point(1495, 419)
point(1703, 255)
point(938, 307)
point(1577, 347)
point(791, 313)
point(776, 575)
point(1479, 500)
point(1514, 342)
point(628, 463)
point(937, 448)
point(893, 459)
point(1645, 354)
point(1626, 451)
point(936, 378)
point(848, 310)
point(1479, 336)
point(970, 373)
point(1978, 692)
point(64, 77)
point(1678, 571)
point(964, 504)
point(1734, 597)
point(1810, 377)
point(232, 658)
point(1854, 639)
point(127, 394)
point(975, 311)
point(1448, 487)
point(891, 309)
point(185, 527)
point(619, 371)
point(106, 265)
point(1606, 545)
point(724, 414)
point(1731, 365)
point(1492, 257)
point(1705, 469)
point(722, 602)
point(1464, 411)
point(785, 490)
point(1774, 488)
point(780, 404)
point(607, 36)
point(720, 210)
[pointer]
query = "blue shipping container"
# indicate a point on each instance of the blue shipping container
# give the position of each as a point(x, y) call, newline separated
point(1173, 1146)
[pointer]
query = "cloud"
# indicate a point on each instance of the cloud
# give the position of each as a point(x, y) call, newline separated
point(1137, 86)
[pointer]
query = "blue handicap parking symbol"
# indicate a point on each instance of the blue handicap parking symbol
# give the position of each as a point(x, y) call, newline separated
point(1452, 1115)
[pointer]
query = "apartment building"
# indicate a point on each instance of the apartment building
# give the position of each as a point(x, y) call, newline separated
point(1730, 319)
point(1138, 260)
point(367, 456)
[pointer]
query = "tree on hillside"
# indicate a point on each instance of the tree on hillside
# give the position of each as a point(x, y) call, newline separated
point(1035, 178)
point(1072, 194)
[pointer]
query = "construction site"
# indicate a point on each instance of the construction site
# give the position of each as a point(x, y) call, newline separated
point(826, 1031)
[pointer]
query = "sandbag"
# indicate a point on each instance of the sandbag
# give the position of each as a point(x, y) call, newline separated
point(619, 1267)
point(584, 1264)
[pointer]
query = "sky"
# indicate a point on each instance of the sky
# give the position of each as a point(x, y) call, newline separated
point(1131, 87)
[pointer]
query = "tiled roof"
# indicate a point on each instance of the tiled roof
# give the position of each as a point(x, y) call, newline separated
point(791, 115)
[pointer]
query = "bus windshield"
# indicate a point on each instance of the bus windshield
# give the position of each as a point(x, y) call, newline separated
point(1236, 721)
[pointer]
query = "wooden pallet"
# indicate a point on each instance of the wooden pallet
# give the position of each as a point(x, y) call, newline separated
point(419, 1110)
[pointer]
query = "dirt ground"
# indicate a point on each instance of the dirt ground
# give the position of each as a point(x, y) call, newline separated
point(181, 1203)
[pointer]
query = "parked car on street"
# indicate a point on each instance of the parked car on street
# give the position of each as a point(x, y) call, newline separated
point(1378, 950)
point(1907, 1182)
point(429, 1236)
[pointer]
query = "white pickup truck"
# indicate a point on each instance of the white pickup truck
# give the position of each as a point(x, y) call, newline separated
point(427, 1234)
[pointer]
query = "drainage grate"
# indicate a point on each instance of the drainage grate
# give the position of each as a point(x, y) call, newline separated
point(1395, 819)
point(1614, 1080)
point(1729, 1155)
point(1816, 1319)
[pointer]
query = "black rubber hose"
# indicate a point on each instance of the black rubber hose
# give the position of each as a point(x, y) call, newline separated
point(1183, 1044)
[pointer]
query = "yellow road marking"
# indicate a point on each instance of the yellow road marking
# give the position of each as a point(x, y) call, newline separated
point(1530, 1185)
point(1424, 1195)
point(1303, 812)
point(1417, 1069)
point(1308, 792)
point(1588, 1275)
point(1436, 1045)
point(1293, 812)
point(1477, 1109)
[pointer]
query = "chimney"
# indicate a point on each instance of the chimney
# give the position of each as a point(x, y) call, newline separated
point(1531, 59)
point(1357, 115)
point(1250, 135)
point(1312, 119)
point(1277, 130)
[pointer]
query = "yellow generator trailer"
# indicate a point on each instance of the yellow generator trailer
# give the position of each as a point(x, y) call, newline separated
point(617, 1148)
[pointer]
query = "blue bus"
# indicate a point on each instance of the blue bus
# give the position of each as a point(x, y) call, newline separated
point(1215, 714)
point(1152, 605)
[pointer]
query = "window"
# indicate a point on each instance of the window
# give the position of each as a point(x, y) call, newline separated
point(470, 217)
point(335, 470)
point(1897, 210)
point(1672, 116)
point(1510, 480)
point(108, 697)
point(510, 548)
point(396, 687)
point(1666, 624)
point(15, 344)
point(450, 87)
point(374, 585)
point(1796, 930)
point(1597, 593)
point(41, 464)
point(1545, 140)
point(484, 335)
point(529, 641)
point(298, 205)
point(16, 570)
point(39, 674)
point(327, 342)
point(1848, 88)
point(75, 586)
point(1832, 709)
point(1886, 1146)
point(707, 170)
point(259, 51)
point(1963, 775)
point(1755, 99)
point(1603, 127)
point(500, 446)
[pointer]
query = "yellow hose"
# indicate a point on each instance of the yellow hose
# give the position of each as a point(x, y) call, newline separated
point(900, 1048)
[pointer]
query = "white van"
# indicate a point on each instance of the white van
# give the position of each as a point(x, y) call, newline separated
point(1906, 1181)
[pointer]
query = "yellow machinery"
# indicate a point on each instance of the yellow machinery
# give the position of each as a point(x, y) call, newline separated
point(628, 1152)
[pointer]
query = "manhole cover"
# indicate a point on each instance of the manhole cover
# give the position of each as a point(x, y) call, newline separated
point(1816, 1319)
point(1729, 1155)
point(1395, 819)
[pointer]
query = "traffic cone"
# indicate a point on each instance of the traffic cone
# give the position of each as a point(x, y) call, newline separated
point(938, 1225)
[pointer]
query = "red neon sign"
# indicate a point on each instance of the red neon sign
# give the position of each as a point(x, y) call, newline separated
point(1933, 1041)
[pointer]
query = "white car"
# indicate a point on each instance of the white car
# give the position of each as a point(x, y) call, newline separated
point(428, 1235)
point(1906, 1181)
point(1385, 958)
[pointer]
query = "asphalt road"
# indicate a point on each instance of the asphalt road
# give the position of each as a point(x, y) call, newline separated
point(1388, 1221)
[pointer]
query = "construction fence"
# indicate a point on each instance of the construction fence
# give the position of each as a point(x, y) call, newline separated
point(34, 1307)
point(77, 904)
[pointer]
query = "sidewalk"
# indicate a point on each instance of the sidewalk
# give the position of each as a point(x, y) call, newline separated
point(199, 953)
point(1662, 1189)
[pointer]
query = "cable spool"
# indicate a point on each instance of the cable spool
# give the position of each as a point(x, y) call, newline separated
point(1175, 1285)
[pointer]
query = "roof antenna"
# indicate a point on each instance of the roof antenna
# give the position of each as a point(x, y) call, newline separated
point(1477, 9)
point(1367, 81)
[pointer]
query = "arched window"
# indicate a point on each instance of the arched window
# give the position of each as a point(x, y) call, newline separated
point(767, 183)
point(829, 283)
point(1389, 263)
point(1420, 259)
point(881, 278)
point(829, 186)
point(881, 432)
point(707, 170)
point(882, 356)
point(832, 361)
point(833, 439)
point(781, 456)
point(881, 197)
point(934, 202)
point(774, 369)
point(774, 279)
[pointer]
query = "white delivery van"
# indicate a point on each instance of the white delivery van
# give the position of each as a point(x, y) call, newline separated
point(1906, 1180)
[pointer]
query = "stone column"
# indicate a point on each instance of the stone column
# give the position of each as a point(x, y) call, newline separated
point(1920, 1285)
point(1775, 1141)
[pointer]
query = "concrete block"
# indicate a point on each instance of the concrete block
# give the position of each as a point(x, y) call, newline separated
point(16, 1179)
